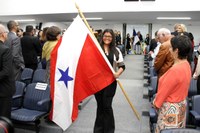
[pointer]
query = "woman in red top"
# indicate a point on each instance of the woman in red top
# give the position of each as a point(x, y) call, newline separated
point(170, 100)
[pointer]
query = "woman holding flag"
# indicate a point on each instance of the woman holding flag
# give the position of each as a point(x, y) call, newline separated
point(104, 117)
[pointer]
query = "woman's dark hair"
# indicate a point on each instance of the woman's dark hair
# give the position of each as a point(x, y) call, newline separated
point(112, 44)
point(183, 44)
point(191, 36)
point(44, 33)
point(52, 33)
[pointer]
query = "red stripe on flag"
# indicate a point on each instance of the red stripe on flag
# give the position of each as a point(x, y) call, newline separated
point(92, 74)
point(53, 62)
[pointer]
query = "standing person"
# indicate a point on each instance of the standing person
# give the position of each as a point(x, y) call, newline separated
point(139, 43)
point(99, 35)
point(20, 33)
point(152, 45)
point(128, 43)
point(170, 100)
point(52, 35)
point(13, 42)
point(31, 48)
point(196, 74)
point(147, 42)
point(118, 38)
point(190, 56)
point(43, 38)
point(164, 59)
point(105, 122)
point(7, 81)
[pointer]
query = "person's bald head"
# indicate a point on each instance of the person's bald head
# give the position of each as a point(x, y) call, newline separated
point(2, 28)
point(3, 33)
point(163, 35)
point(13, 26)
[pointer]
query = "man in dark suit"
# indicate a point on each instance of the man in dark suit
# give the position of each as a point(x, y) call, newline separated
point(31, 48)
point(14, 43)
point(7, 81)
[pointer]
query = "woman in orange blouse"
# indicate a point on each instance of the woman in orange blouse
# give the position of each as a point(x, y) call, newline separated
point(170, 100)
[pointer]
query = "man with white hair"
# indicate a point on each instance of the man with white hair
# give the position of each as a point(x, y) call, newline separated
point(7, 81)
point(164, 59)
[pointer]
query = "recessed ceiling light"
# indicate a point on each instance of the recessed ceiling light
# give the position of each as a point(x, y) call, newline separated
point(174, 18)
point(93, 18)
point(25, 20)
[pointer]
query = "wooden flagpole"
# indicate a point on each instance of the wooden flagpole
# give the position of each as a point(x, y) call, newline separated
point(127, 98)
point(88, 26)
point(83, 17)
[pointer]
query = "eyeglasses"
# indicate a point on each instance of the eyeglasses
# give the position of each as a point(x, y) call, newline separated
point(160, 35)
point(4, 32)
point(107, 36)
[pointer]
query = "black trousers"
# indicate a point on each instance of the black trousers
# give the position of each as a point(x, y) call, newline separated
point(5, 106)
point(105, 122)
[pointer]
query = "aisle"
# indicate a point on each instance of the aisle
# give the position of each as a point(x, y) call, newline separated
point(126, 121)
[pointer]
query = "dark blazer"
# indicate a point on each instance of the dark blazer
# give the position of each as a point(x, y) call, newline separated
point(31, 48)
point(14, 43)
point(7, 81)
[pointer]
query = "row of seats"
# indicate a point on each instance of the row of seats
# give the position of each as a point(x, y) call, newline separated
point(180, 130)
point(35, 104)
point(192, 99)
point(31, 101)
point(29, 76)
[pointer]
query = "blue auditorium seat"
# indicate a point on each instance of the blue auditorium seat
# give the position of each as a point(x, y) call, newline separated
point(39, 76)
point(18, 96)
point(195, 112)
point(180, 130)
point(36, 105)
point(27, 75)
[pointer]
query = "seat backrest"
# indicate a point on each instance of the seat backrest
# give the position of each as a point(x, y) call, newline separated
point(36, 92)
point(39, 76)
point(154, 83)
point(193, 88)
point(196, 103)
point(180, 130)
point(27, 75)
point(39, 65)
point(152, 72)
point(187, 112)
point(20, 88)
point(150, 63)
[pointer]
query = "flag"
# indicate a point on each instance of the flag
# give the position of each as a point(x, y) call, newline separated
point(79, 68)
point(136, 38)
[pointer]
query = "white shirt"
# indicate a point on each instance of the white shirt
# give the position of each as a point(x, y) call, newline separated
point(155, 52)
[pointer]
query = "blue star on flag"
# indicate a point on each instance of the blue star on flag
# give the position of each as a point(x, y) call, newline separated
point(65, 76)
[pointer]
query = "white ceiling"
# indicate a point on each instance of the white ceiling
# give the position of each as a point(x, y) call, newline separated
point(112, 11)
point(110, 17)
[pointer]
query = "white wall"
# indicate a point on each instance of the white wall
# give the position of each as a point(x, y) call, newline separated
point(143, 28)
